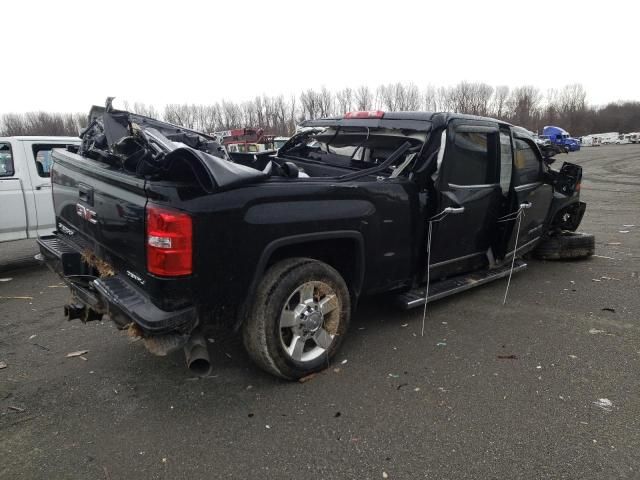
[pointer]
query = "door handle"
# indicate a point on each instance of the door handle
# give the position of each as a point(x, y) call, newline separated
point(43, 185)
point(454, 210)
point(525, 205)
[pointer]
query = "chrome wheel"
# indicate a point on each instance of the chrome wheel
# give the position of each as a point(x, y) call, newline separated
point(309, 321)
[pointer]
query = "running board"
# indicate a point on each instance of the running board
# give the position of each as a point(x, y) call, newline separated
point(444, 288)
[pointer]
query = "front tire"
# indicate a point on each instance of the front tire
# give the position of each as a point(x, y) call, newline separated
point(298, 318)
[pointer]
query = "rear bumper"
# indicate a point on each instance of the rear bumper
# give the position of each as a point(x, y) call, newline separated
point(114, 296)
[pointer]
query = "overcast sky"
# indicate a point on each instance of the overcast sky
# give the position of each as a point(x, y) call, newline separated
point(64, 56)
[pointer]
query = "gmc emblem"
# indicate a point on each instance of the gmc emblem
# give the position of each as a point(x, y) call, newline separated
point(86, 213)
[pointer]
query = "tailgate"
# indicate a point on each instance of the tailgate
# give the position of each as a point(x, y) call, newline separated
point(102, 211)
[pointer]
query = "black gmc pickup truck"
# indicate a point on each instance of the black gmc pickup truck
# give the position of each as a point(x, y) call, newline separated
point(158, 228)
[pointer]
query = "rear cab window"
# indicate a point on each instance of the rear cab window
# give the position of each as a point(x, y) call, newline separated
point(6, 160)
point(355, 148)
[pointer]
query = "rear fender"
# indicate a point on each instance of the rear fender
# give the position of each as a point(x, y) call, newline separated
point(275, 249)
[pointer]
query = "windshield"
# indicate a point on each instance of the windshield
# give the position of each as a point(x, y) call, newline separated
point(354, 148)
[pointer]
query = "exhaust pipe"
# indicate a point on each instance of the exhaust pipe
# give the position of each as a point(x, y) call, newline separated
point(197, 355)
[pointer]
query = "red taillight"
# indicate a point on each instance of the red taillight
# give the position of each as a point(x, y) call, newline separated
point(365, 114)
point(169, 242)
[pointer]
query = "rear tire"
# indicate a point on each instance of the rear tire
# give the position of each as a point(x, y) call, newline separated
point(566, 245)
point(297, 318)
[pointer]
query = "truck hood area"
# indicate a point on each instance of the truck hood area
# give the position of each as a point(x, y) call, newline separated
point(152, 149)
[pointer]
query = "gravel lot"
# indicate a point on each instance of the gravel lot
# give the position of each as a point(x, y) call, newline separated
point(545, 387)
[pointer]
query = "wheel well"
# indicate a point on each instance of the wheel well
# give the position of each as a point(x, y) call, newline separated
point(343, 254)
point(568, 217)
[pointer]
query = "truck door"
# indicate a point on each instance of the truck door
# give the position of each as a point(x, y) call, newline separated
point(13, 213)
point(38, 158)
point(529, 187)
point(469, 177)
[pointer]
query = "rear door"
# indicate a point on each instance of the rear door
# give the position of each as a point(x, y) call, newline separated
point(13, 213)
point(531, 188)
point(468, 177)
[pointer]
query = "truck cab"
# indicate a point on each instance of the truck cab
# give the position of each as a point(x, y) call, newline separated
point(560, 137)
point(25, 185)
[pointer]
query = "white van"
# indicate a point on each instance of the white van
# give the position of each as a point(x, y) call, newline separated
point(26, 206)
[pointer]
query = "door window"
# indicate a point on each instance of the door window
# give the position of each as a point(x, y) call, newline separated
point(527, 163)
point(42, 156)
point(506, 161)
point(473, 159)
point(6, 160)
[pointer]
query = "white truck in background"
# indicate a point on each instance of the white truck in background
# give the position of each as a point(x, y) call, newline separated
point(26, 206)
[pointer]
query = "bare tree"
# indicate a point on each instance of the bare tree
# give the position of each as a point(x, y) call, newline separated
point(42, 123)
point(523, 105)
point(363, 98)
point(344, 100)
point(430, 99)
point(499, 101)
point(278, 115)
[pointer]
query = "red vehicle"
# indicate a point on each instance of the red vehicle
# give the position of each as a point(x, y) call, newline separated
point(245, 140)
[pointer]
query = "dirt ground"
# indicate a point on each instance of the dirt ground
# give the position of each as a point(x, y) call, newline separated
point(544, 387)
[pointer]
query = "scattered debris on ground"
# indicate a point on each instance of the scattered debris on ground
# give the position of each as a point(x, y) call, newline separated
point(5, 279)
point(604, 403)
point(508, 357)
point(16, 298)
point(3, 365)
point(595, 331)
point(78, 353)
point(609, 309)
point(15, 409)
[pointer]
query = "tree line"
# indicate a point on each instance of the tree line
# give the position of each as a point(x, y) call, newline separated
point(526, 106)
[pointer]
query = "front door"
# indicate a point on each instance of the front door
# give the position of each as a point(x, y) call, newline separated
point(469, 177)
point(529, 188)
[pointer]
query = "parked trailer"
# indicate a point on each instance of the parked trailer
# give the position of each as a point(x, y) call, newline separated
point(590, 141)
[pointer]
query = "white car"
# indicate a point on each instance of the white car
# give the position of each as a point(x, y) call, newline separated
point(25, 187)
